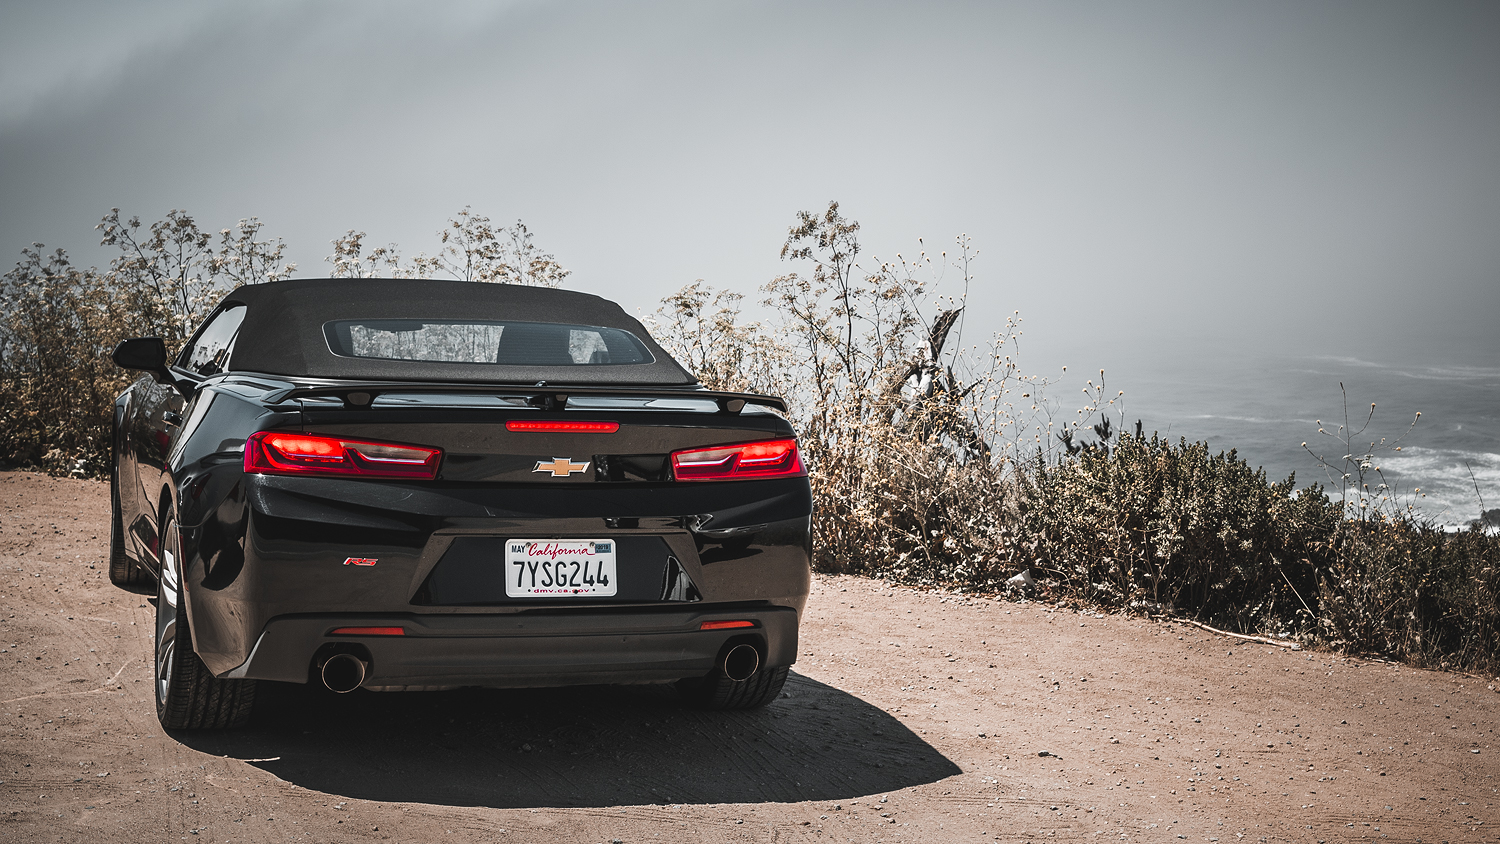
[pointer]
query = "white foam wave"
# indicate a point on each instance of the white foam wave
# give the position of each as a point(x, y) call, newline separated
point(1452, 483)
point(1347, 361)
point(1254, 420)
point(1428, 373)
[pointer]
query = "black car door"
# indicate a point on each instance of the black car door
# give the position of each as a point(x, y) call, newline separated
point(147, 438)
point(160, 411)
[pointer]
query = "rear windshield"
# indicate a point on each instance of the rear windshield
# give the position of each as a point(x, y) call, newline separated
point(501, 343)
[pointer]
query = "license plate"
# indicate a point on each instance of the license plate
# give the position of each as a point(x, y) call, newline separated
point(560, 568)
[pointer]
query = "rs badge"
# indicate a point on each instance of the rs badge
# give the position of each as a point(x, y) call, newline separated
point(360, 561)
point(560, 467)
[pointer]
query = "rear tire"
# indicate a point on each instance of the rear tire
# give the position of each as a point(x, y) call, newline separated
point(123, 572)
point(717, 692)
point(188, 696)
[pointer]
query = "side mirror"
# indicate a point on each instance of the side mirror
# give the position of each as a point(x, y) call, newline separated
point(144, 353)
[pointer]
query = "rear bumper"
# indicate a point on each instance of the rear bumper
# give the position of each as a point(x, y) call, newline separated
point(518, 650)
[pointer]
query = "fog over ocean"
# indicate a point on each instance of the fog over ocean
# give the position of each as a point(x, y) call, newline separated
point(1267, 407)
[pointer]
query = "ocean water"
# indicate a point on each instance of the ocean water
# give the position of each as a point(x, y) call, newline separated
point(1267, 406)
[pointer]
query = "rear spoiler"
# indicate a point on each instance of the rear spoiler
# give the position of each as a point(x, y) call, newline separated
point(363, 394)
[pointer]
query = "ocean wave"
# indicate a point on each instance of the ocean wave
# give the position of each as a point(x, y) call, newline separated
point(1472, 374)
point(1251, 419)
point(1347, 361)
point(1455, 485)
point(1417, 460)
point(1254, 420)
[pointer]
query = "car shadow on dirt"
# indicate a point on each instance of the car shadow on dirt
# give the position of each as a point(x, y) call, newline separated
point(582, 747)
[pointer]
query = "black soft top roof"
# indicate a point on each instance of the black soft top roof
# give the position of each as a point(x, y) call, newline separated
point(282, 333)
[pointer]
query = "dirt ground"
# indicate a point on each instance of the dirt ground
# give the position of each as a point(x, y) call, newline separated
point(910, 716)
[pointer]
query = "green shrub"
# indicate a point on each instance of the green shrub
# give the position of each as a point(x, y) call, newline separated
point(1401, 587)
point(1156, 527)
point(1164, 527)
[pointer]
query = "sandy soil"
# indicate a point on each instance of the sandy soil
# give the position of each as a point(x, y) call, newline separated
point(911, 716)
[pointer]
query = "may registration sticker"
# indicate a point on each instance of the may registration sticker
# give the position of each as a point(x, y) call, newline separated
point(560, 568)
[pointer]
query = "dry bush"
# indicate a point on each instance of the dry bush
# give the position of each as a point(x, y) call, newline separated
point(57, 383)
point(1411, 590)
point(56, 388)
point(472, 249)
point(1393, 582)
point(169, 275)
point(704, 329)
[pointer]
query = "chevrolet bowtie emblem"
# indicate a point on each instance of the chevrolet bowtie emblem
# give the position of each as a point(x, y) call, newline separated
point(560, 467)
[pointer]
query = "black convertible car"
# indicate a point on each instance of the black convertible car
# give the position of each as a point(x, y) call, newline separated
point(407, 485)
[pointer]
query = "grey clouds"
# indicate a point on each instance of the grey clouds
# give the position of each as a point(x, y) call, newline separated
point(1139, 177)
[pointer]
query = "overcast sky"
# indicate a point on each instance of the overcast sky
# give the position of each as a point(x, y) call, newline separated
point(1142, 177)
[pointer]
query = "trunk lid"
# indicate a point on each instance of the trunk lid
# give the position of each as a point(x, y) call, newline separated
point(479, 446)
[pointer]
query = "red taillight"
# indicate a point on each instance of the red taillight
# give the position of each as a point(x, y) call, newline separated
point(771, 459)
point(280, 453)
point(368, 631)
point(724, 625)
point(569, 427)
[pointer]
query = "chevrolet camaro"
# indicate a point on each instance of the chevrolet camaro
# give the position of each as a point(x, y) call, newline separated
point(388, 485)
